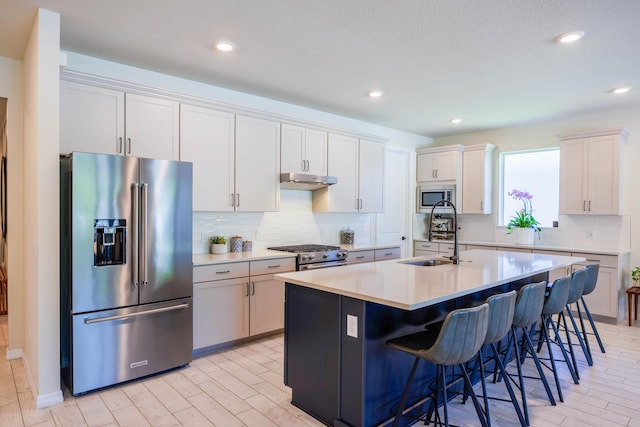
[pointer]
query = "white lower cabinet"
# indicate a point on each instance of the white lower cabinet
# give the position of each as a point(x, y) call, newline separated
point(607, 299)
point(371, 255)
point(232, 301)
point(220, 311)
point(428, 249)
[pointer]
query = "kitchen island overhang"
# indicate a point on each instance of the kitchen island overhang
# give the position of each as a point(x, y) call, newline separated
point(337, 321)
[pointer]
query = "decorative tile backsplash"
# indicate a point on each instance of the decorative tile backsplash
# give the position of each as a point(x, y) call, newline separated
point(295, 223)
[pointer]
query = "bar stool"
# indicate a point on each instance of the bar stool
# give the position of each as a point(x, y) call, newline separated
point(590, 282)
point(576, 289)
point(501, 310)
point(529, 303)
point(553, 305)
point(461, 337)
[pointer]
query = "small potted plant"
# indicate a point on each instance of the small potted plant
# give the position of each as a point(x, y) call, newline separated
point(635, 275)
point(218, 245)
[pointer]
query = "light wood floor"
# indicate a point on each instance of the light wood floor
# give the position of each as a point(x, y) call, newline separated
point(243, 386)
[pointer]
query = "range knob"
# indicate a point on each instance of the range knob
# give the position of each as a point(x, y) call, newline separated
point(325, 256)
point(311, 257)
point(305, 257)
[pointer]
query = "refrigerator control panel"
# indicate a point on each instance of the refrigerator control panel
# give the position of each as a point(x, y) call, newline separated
point(109, 242)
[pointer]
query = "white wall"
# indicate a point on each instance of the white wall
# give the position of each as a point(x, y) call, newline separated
point(609, 232)
point(41, 177)
point(11, 88)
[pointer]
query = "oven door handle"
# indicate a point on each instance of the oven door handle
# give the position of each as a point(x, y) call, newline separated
point(318, 265)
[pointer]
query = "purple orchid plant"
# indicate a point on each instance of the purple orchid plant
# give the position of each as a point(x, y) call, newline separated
point(523, 217)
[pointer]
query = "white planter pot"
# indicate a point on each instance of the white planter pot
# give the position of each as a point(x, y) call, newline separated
point(218, 248)
point(523, 236)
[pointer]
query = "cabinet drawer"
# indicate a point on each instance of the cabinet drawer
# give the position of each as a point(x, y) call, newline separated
point(389, 253)
point(272, 266)
point(204, 273)
point(604, 260)
point(425, 246)
point(356, 257)
point(426, 254)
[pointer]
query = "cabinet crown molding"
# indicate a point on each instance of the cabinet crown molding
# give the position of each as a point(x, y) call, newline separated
point(623, 132)
point(442, 148)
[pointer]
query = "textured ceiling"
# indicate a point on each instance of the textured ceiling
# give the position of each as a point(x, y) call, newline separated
point(492, 62)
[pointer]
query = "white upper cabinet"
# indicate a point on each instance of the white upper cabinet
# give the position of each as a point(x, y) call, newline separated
point(91, 119)
point(99, 120)
point(477, 173)
point(303, 150)
point(591, 172)
point(439, 164)
point(152, 127)
point(257, 180)
point(371, 176)
point(359, 167)
point(207, 139)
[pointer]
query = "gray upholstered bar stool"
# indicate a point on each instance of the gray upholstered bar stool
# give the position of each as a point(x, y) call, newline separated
point(576, 289)
point(591, 279)
point(554, 305)
point(461, 337)
point(501, 310)
point(529, 303)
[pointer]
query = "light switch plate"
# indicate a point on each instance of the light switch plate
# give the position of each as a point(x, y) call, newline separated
point(352, 326)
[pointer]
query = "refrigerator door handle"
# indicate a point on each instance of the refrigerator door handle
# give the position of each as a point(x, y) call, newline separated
point(135, 241)
point(132, 315)
point(143, 234)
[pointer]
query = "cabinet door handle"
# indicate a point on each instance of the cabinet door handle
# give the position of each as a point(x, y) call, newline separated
point(238, 200)
point(223, 272)
point(232, 199)
point(584, 205)
point(274, 266)
point(589, 205)
point(388, 254)
point(360, 257)
point(303, 165)
point(129, 148)
point(247, 284)
point(120, 145)
point(481, 206)
point(253, 288)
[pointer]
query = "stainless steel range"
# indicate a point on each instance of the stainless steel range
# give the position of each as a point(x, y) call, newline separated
point(316, 256)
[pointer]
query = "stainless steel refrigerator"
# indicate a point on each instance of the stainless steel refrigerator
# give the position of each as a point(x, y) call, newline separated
point(126, 268)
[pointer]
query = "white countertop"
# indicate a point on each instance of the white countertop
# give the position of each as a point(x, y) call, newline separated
point(208, 259)
point(397, 284)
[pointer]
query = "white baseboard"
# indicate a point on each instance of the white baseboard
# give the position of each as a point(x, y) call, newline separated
point(14, 354)
point(50, 399)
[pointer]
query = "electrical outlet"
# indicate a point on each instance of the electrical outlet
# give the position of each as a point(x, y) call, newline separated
point(352, 326)
point(590, 234)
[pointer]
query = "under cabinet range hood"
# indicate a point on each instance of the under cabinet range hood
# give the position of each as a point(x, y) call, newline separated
point(302, 181)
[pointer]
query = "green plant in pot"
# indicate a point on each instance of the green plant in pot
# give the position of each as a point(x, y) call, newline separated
point(218, 245)
point(635, 275)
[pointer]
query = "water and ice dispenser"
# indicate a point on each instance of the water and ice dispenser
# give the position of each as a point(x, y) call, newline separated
point(109, 240)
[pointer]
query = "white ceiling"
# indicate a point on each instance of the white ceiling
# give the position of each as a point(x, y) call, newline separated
point(492, 62)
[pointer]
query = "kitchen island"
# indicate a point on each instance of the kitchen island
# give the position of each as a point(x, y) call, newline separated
point(337, 321)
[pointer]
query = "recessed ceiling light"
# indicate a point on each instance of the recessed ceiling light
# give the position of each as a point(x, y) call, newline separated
point(376, 93)
point(570, 37)
point(456, 121)
point(619, 90)
point(225, 46)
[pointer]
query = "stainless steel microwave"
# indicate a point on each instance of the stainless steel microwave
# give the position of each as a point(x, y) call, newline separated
point(429, 195)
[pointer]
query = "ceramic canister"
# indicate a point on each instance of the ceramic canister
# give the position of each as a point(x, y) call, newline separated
point(246, 246)
point(236, 244)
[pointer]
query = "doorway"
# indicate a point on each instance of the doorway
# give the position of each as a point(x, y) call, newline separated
point(4, 300)
point(393, 226)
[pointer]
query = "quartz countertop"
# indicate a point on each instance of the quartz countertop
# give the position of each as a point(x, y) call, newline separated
point(398, 284)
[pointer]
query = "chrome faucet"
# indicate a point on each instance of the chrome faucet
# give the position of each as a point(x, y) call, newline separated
point(455, 259)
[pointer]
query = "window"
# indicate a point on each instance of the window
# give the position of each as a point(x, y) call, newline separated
point(536, 172)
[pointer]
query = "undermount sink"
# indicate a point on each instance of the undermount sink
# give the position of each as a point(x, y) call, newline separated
point(429, 262)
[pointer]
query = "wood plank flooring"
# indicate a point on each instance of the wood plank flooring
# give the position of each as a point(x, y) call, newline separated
point(242, 386)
